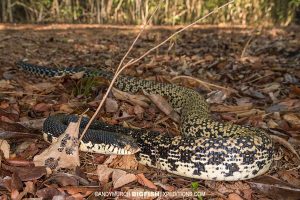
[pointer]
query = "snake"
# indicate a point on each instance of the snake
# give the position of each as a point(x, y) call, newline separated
point(206, 149)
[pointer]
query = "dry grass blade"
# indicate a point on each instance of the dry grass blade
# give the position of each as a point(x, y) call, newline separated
point(205, 84)
point(286, 144)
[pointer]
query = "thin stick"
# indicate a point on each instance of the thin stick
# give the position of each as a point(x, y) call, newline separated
point(246, 46)
point(176, 33)
point(145, 54)
point(117, 74)
point(205, 84)
point(137, 37)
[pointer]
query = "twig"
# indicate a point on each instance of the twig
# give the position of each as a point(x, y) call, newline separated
point(145, 54)
point(246, 46)
point(116, 75)
point(135, 40)
point(205, 84)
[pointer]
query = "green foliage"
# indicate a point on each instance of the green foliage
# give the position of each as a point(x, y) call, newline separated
point(195, 187)
point(135, 12)
point(85, 86)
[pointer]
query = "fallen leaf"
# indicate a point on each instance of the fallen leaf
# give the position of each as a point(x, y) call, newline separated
point(27, 173)
point(5, 84)
point(123, 179)
point(145, 182)
point(78, 75)
point(64, 152)
point(29, 188)
point(66, 108)
point(139, 111)
point(5, 148)
point(111, 105)
point(164, 106)
point(275, 188)
point(286, 144)
point(292, 118)
point(217, 96)
point(49, 193)
point(295, 89)
point(124, 162)
point(166, 187)
point(104, 173)
point(45, 87)
point(290, 176)
point(63, 179)
point(133, 99)
point(42, 107)
point(233, 109)
point(16, 182)
point(33, 124)
point(234, 196)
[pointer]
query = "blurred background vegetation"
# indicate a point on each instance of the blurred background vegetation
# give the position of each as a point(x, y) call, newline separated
point(172, 12)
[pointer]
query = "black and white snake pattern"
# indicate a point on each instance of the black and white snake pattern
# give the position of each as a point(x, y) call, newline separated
point(207, 149)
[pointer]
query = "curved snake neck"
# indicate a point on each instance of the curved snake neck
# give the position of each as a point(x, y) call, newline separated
point(207, 149)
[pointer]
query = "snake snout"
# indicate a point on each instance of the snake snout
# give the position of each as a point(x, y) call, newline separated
point(128, 145)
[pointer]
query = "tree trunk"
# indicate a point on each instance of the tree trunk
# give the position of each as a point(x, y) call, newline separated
point(9, 9)
point(116, 11)
point(109, 8)
point(98, 10)
point(55, 9)
point(4, 11)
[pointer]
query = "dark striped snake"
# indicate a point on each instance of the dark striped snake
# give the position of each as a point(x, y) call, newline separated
point(207, 149)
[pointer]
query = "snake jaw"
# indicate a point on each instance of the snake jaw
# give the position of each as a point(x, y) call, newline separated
point(129, 149)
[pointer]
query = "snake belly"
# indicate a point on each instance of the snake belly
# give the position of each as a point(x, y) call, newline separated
point(207, 149)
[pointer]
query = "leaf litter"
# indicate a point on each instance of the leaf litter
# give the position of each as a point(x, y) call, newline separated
point(264, 91)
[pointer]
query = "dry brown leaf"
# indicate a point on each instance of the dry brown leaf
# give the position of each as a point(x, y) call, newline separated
point(145, 182)
point(139, 111)
point(5, 84)
point(5, 148)
point(111, 105)
point(166, 187)
point(117, 174)
point(228, 108)
point(42, 107)
point(123, 179)
point(48, 193)
point(66, 107)
point(26, 173)
point(104, 173)
point(217, 96)
point(29, 188)
point(290, 176)
point(124, 162)
point(295, 89)
point(45, 87)
point(286, 144)
point(275, 188)
point(271, 87)
point(33, 124)
point(292, 118)
point(164, 106)
point(78, 75)
point(133, 99)
point(64, 153)
point(234, 196)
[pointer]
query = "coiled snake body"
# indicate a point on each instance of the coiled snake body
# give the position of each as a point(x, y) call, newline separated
point(207, 149)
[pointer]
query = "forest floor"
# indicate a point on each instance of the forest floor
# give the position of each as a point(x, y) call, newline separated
point(259, 68)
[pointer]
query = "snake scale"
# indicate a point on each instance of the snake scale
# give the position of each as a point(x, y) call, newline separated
point(207, 149)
